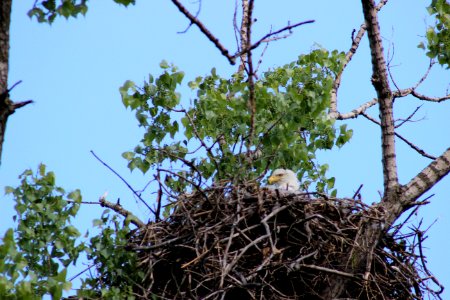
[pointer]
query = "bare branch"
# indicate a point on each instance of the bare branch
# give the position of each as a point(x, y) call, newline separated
point(244, 36)
point(271, 34)
point(348, 57)
point(205, 31)
point(412, 91)
point(354, 113)
point(420, 151)
point(426, 179)
point(124, 181)
point(408, 119)
point(427, 98)
point(122, 211)
point(196, 16)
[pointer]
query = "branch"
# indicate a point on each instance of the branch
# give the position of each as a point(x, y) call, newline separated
point(205, 31)
point(328, 270)
point(412, 91)
point(334, 114)
point(426, 179)
point(380, 82)
point(408, 119)
point(354, 113)
point(122, 211)
point(271, 34)
point(420, 151)
point(124, 181)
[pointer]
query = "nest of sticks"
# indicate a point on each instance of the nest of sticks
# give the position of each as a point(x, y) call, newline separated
point(250, 243)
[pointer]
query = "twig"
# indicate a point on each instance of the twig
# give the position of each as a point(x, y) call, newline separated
point(424, 265)
point(328, 270)
point(196, 16)
point(124, 181)
point(197, 187)
point(357, 191)
point(264, 38)
point(417, 149)
point(408, 119)
point(80, 273)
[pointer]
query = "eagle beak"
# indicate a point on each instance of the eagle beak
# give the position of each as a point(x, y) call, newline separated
point(271, 179)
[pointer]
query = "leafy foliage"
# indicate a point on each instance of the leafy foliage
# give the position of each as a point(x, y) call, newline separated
point(34, 261)
point(291, 124)
point(35, 257)
point(117, 270)
point(46, 11)
point(438, 37)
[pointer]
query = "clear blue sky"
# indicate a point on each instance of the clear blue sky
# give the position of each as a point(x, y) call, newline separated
point(73, 70)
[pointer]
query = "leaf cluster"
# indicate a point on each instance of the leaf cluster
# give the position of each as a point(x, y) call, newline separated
point(46, 11)
point(438, 36)
point(213, 143)
point(34, 260)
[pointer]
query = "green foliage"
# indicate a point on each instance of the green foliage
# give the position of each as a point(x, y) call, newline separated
point(45, 11)
point(34, 260)
point(291, 123)
point(117, 270)
point(438, 36)
point(35, 257)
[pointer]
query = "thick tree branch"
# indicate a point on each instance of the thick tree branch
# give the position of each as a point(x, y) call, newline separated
point(385, 99)
point(426, 179)
point(122, 211)
point(205, 31)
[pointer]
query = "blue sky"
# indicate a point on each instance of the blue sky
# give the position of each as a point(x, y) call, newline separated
point(73, 71)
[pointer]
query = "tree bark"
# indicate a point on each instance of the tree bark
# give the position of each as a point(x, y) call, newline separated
point(396, 199)
point(7, 107)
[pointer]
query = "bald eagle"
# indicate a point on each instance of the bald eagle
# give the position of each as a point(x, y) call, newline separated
point(284, 179)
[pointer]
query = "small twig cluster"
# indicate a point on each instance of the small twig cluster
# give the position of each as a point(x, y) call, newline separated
point(250, 243)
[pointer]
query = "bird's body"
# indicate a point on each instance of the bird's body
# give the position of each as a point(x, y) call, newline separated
point(284, 179)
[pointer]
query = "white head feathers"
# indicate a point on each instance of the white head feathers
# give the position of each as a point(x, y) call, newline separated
point(284, 179)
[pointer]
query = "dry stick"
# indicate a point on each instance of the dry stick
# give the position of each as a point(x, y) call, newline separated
point(345, 274)
point(418, 150)
point(357, 191)
point(205, 31)
point(122, 211)
point(124, 181)
point(422, 259)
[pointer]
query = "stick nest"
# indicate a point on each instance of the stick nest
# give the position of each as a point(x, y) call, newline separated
point(250, 243)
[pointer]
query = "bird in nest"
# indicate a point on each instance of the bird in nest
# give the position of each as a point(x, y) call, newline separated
point(283, 179)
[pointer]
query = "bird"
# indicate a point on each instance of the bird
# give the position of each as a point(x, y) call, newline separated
point(283, 179)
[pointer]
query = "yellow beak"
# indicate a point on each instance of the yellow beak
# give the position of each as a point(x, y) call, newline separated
point(272, 179)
